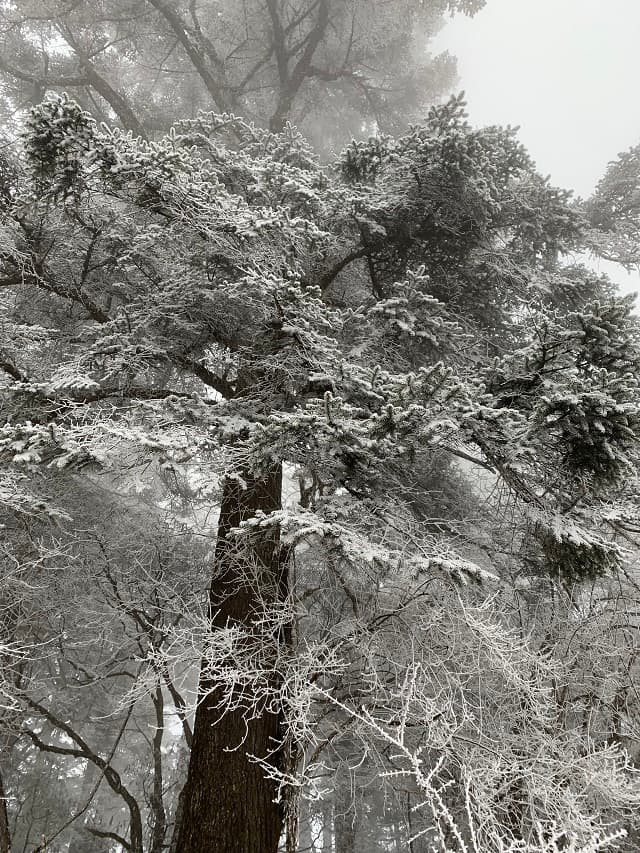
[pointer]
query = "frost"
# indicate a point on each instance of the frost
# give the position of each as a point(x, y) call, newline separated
point(566, 529)
point(236, 478)
point(462, 570)
point(234, 425)
point(70, 383)
point(303, 528)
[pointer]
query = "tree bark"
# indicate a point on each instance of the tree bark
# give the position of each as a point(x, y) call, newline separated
point(177, 822)
point(5, 835)
point(118, 103)
point(290, 82)
point(158, 814)
point(229, 805)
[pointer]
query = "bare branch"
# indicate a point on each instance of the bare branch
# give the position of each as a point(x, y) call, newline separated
point(214, 85)
point(102, 833)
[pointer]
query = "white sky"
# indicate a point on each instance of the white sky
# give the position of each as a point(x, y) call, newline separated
point(566, 71)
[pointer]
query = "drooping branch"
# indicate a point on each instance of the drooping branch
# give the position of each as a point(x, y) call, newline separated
point(83, 750)
point(102, 833)
point(206, 376)
point(116, 101)
point(36, 272)
point(63, 81)
point(89, 77)
point(94, 79)
point(330, 276)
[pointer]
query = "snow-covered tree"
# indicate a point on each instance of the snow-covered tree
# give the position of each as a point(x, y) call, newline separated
point(219, 306)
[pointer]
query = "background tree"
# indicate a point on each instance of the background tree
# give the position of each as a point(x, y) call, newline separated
point(613, 211)
point(331, 67)
point(100, 596)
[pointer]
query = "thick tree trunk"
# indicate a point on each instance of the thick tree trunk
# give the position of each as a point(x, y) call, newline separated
point(229, 805)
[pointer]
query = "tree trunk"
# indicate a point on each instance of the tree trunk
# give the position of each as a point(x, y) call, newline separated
point(327, 828)
point(158, 814)
point(5, 835)
point(229, 805)
point(344, 822)
point(305, 837)
point(177, 822)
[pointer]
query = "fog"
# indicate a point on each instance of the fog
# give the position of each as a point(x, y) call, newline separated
point(566, 73)
point(319, 460)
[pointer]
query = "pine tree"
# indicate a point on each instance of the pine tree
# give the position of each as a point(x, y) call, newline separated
point(217, 300)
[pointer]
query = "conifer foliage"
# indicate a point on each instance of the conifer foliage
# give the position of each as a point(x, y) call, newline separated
point(218, 305)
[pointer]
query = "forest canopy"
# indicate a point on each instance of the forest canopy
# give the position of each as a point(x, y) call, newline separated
point(319, 475)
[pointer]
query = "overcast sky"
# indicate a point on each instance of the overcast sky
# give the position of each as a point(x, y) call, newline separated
point(566, 71)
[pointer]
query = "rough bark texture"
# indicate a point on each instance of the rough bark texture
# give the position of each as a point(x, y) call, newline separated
point(228, 804)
